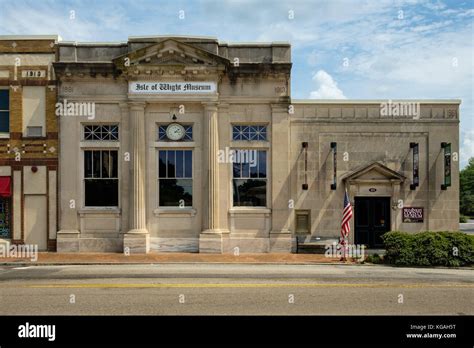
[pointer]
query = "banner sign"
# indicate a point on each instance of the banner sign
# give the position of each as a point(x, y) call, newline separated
point(334, 174)
point(141, 87)
point(447, 165)
point(411, 214)
point(416, 166)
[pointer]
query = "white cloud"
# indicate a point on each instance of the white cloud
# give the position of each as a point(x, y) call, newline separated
point(467, 147)
point(327, 87)
point(438, 5)
point(431, 27)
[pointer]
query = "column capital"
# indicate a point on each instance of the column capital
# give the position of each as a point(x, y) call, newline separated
point(210, 106)
point(123, 106)
point(136, 105)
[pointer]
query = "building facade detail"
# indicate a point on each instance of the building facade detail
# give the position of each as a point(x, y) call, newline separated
point(188, 144)
point(28, 142)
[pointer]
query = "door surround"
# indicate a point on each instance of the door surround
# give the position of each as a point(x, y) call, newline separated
point(375, 180)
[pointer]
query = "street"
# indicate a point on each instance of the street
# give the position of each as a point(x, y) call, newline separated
point(234, 289)
point(467, 227)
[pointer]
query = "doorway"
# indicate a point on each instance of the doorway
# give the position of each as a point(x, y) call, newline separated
point(36, 221)
point(372, 220)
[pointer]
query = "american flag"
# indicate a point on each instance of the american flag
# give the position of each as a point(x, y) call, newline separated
point(346, 218)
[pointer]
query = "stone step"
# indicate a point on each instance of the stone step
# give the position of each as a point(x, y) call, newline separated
point(313, 245)
point(310, 249)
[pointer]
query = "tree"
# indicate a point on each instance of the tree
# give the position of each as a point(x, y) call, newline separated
point(466, 197)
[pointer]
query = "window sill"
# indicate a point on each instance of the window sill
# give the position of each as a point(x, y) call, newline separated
point(174, 212)
point(236, 144)
point(99, 143)
point(99, 210)
point(250, 210)
point(164, 144)
point(4, 135)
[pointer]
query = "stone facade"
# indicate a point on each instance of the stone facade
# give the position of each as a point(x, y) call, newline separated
point(252, 88)
point(29, 141)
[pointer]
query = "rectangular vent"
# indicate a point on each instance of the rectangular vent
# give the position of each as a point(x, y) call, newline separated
point(34, 131)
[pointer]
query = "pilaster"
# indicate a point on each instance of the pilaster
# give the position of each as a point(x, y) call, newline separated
point(137, 239)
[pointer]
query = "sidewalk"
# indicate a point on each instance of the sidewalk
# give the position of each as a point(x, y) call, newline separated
point(53, 258)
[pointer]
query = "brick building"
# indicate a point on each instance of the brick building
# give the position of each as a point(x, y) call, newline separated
point(28, 141)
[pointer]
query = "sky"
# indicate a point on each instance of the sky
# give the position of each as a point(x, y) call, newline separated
point(352, 49)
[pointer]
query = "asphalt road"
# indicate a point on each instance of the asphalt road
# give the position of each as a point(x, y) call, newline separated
point(467, 227)
point(196, 289)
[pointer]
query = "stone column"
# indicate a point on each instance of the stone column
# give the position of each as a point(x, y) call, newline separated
point(281, 240)
point(210, 239)
point(137, 239)
point(126, 168)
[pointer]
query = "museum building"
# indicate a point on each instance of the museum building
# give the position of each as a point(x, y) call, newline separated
point(189, 144)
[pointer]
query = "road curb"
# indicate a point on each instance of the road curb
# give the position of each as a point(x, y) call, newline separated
point(24, 264)
point(176, 262)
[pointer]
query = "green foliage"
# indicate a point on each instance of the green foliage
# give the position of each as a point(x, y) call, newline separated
point(375, 258)
point(466, 196)
point(429, 249)
point(462, 219)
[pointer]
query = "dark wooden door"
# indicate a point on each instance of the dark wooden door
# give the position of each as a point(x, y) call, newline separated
point(372, 220)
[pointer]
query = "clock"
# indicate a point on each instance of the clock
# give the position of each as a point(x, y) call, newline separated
point(175, 131)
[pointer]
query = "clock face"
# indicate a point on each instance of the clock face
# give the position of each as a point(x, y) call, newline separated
point(175, 131)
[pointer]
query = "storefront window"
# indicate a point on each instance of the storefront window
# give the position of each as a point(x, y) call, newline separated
point(4, 111)
point(175, 173)
point(5, 217)
point(250, 178)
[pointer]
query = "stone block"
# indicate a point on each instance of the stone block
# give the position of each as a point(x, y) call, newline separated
point(210, 243)
point(136, 243)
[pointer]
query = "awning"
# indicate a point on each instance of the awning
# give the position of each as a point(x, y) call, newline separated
point(5, 186)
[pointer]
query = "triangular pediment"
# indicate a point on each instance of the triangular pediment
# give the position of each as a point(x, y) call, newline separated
point(170, 52)
point(376, 172)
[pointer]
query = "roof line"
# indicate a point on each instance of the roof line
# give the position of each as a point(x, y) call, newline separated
point(56, 38)
point(375, 101)
point(171, 36)
point(87, 43)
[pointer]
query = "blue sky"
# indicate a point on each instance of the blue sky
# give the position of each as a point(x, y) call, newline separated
point(373, 49)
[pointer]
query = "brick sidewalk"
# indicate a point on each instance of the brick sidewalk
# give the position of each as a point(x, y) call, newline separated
point(46, 258)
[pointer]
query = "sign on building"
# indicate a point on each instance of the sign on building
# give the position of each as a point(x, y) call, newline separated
point(33, 73)
point(412, 214)
point(140, 87)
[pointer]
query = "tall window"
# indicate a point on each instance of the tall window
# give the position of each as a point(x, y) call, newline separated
point(4, 111)
point(34, 111)
point(101, 178)
point(175, 177)
point(250, 178)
